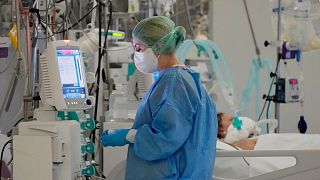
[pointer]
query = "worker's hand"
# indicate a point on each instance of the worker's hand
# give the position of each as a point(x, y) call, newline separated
point(114, 137)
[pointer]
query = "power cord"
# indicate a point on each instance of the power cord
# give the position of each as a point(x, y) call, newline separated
point(72, 26)
point(266, 97)
point(236, 148)
point(99, 63)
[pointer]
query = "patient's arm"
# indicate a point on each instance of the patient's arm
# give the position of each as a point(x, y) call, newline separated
point(246, 144)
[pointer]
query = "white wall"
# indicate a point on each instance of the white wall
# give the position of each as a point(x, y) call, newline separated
point(231, 32)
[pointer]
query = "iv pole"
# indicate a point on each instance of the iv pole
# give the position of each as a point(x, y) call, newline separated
point(277, 105)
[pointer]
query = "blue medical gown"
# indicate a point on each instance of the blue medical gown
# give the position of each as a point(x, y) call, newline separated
point(176, 130)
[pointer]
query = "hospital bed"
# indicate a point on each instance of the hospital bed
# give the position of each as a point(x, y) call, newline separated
point(306, 166)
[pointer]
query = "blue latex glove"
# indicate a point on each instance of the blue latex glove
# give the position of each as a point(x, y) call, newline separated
point(114, 137)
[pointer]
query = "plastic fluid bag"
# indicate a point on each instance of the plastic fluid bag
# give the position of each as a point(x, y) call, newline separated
point(300, 23)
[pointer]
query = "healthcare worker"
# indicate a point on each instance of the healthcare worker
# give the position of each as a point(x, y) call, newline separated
point(175, 128)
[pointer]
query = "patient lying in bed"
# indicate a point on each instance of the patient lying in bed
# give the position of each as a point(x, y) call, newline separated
point(282, 141)
point(248, 167)
point(224, 122)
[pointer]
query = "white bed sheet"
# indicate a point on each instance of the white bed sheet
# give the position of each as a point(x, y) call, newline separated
point(237, 167)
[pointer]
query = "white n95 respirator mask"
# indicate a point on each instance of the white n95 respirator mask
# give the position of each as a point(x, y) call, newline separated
point(146, 61)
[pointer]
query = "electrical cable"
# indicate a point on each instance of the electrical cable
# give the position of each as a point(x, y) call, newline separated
point(93, 133)
point(78, 21)
point(248, 164)
point(219, 178)
point(100, 60)
point(18, 122)
point(48, 8)
point(51, 24)
point(99, 65)
point(268, 108)
point(269, 91)
point(85, 33)
point(104, 46)
point(236, 148)
point(21, 120)
point(2, 152)
point(30, 117)
point(72, 26)
point(47, 37)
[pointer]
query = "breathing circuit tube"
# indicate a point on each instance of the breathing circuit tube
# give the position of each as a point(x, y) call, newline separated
point(218, 65)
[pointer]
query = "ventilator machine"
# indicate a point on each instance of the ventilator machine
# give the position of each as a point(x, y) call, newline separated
point(51, 146)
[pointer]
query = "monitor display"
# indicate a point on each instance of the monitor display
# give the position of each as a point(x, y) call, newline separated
point(71, 73)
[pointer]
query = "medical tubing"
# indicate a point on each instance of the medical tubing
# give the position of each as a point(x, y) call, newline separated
point(214, 54)
point(247, 91)
point(253, 82)
point(216, 58)
point(220, 62)
point(2, 152)
point(301, 88)
point(222, 73)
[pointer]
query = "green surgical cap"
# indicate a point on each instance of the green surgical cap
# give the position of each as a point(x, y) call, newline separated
point(159, 33)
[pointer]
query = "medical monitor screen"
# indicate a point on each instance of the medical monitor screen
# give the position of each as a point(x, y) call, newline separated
point(71, 73)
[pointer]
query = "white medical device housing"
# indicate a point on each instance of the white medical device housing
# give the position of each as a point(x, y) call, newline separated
point(64, 79)
point(53, 146)
point(287, 90)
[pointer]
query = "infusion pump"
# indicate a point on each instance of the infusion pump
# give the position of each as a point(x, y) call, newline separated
point(287, 90)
